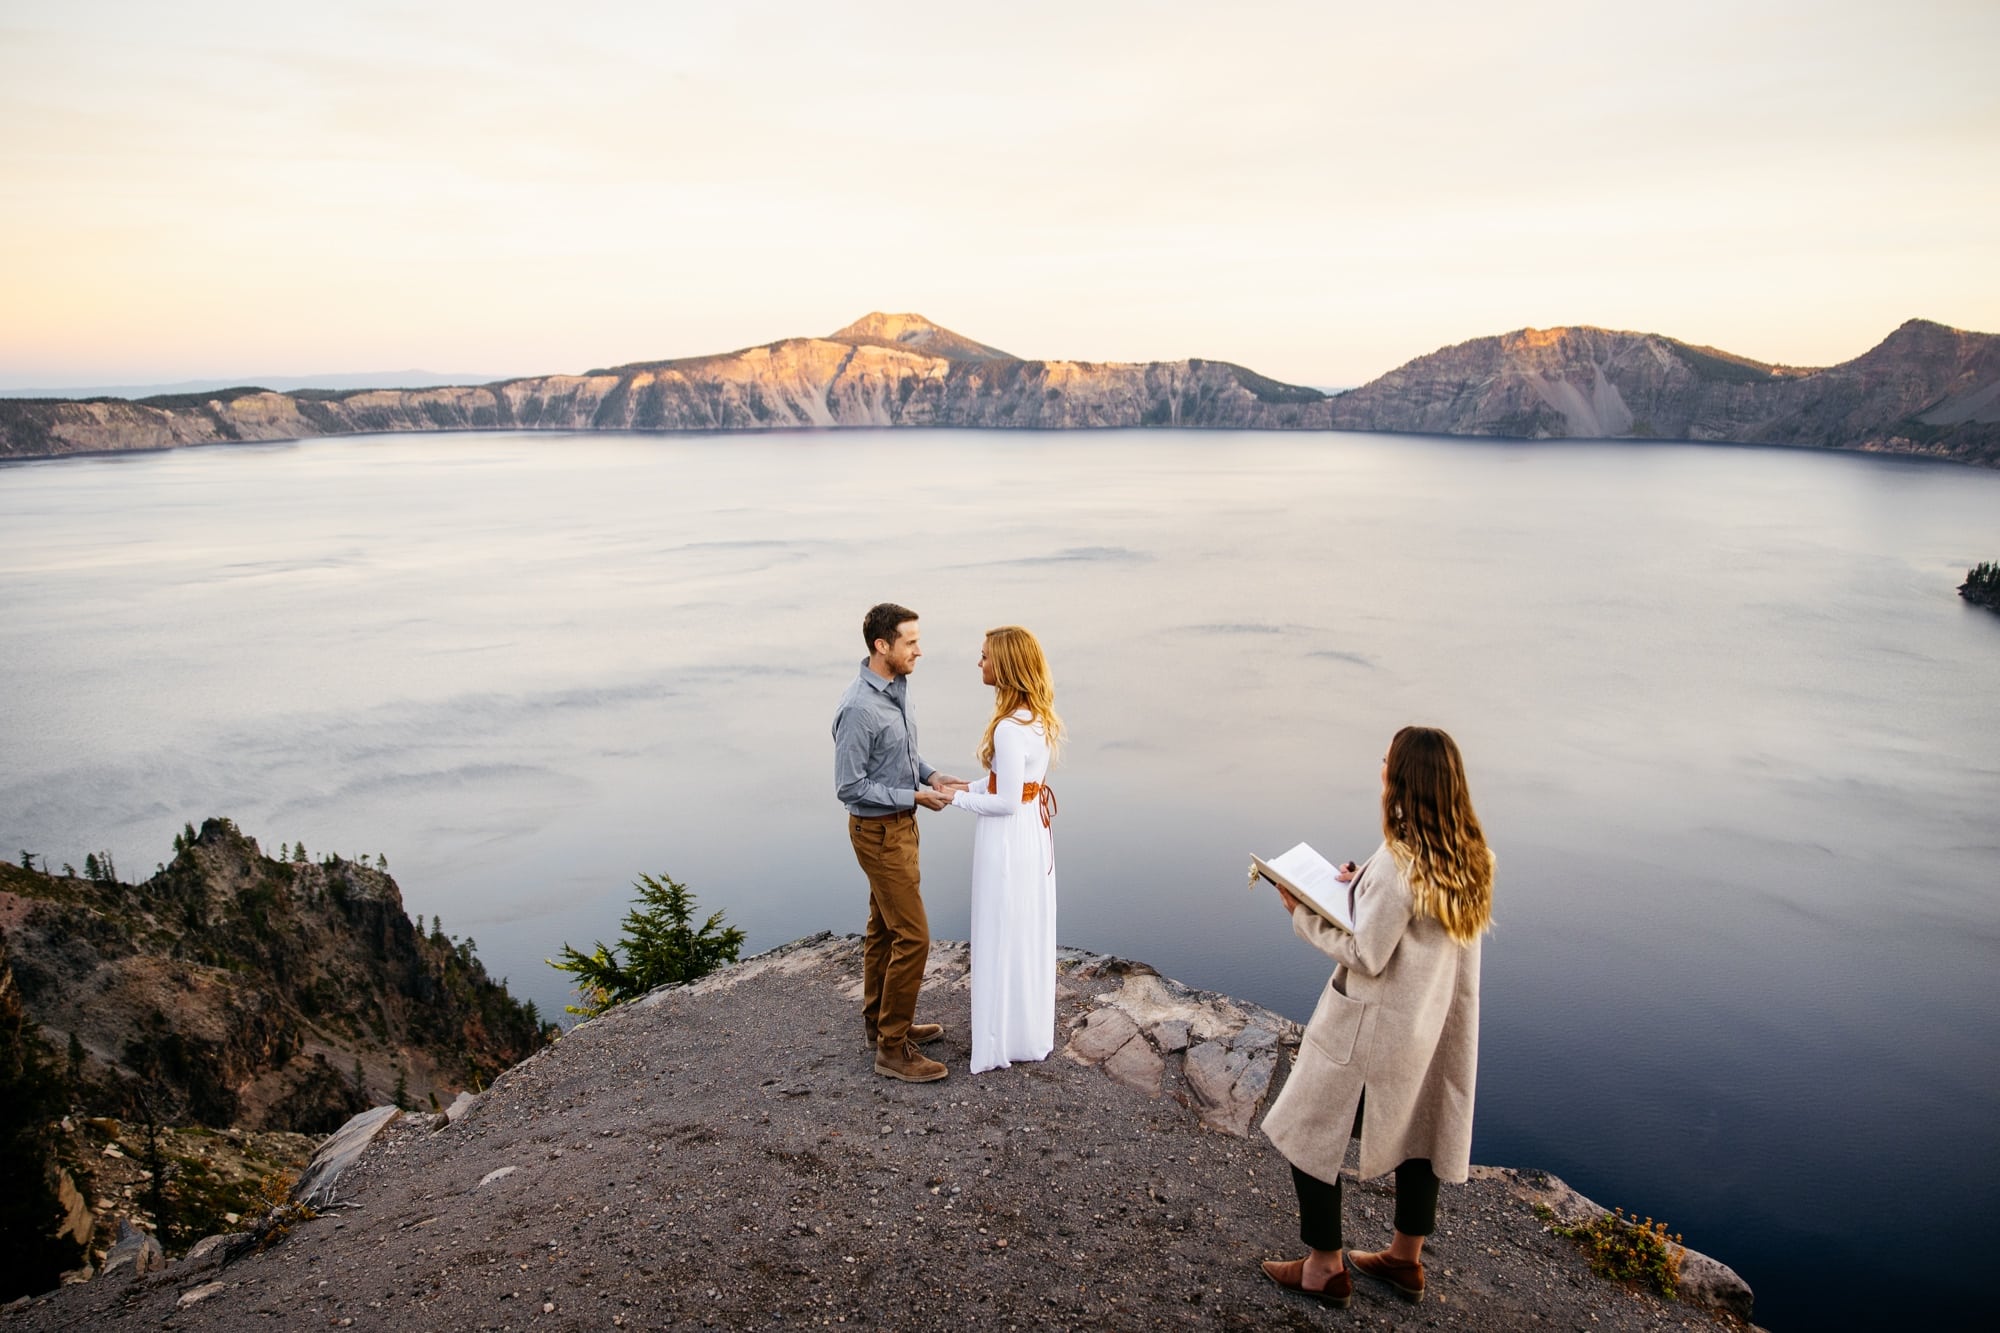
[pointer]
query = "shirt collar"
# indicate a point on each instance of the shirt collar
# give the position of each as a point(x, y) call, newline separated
point(893, 687)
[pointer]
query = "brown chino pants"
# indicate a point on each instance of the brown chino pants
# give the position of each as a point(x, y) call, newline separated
point(898, 942)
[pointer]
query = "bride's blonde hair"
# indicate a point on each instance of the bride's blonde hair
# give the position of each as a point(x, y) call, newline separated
point(1020, 680)
point(1428, 820)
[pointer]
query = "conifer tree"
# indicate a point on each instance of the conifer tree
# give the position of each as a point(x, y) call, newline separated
point(662, 948)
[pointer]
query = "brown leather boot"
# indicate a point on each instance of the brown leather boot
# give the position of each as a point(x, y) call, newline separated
point(908, 1064)
point(1407, 1277)
point(923, 1034)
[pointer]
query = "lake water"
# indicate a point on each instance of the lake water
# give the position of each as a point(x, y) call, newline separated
point(1732, 733)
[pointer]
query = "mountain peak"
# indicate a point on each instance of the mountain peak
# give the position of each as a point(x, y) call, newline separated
point(915, 333)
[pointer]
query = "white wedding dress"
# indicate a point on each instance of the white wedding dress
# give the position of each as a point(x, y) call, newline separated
point(1013, 905)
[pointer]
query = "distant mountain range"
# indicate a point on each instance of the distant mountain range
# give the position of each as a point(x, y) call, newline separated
point(371, 379)
point(1926, 389)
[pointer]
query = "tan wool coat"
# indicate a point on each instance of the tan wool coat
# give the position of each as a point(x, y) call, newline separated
point(1398, 1021)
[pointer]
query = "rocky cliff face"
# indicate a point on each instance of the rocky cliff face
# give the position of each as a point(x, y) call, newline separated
point(1926, 389)
point(882, 370)
point(235, 989)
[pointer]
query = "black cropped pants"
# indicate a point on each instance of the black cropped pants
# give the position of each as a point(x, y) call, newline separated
point(1319, 1204)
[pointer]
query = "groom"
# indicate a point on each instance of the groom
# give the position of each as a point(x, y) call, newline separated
point(881, 779)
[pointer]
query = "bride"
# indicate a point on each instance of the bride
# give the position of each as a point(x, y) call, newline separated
point(1013, 858)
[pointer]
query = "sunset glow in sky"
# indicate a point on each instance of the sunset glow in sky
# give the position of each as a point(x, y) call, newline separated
point(1317, 190)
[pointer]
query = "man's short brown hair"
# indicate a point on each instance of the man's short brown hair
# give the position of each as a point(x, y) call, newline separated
point(882, 622)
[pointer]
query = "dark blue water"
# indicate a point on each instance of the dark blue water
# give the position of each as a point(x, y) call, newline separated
point(1734, 736)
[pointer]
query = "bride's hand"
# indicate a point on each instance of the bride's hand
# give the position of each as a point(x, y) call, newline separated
point(946, 782)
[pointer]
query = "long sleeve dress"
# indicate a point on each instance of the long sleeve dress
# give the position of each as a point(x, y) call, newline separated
point(1013, 904)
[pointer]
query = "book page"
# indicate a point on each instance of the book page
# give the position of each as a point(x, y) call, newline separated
point(1313, 880)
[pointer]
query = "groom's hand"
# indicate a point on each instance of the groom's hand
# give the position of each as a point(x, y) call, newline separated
point(930, 798)
point(945, 782)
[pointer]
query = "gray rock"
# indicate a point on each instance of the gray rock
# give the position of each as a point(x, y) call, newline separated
point(1712, 1283)
point(1254, 1037)
point(454, 1113)
point(196, 1295)
point(1102, 1035)
point(1136, 1066)
point(342, 1149)
point(1228, 1085)
point(134, 1253)
point(1170, 1035)
point(218, 1249)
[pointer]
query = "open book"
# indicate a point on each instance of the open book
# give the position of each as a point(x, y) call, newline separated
point(1312, 879)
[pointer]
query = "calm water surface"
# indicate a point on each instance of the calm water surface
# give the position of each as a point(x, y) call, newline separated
point(1733, 735)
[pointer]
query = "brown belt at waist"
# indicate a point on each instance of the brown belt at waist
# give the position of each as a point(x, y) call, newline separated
point(893, 814)
point(1031, 793)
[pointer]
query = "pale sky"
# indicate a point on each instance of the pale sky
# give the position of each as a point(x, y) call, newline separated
point(1317, 190)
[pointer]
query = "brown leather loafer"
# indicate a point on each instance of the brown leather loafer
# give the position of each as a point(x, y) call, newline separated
point(909, 1064)
point(1290, 1274)
point(1406, 1278)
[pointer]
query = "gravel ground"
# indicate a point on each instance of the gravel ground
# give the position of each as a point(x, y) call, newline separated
point(725, 1156)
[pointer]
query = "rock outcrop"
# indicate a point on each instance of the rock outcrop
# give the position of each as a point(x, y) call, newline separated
point(234, 989)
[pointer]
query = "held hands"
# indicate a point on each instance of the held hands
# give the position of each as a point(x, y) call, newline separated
point(932, 798)
point(945, 782)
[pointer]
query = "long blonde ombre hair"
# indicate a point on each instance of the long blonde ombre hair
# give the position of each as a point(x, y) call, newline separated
point(1020, 680)
point(1428, 820)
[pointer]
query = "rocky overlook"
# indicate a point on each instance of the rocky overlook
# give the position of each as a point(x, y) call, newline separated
point(721, 1154)
point(1926, 389)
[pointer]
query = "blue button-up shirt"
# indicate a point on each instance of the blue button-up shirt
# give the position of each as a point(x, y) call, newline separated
point(876, 767)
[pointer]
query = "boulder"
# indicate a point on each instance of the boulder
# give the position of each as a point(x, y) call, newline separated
point(1228, 1085)
point(134, 1253)
point(342, 1149)
point(1137, 1066)
point(1102, 1035)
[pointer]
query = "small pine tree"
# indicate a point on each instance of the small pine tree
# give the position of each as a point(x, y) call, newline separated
point(299, 853)
point(662, 948)
point(402, 1090)
point(27, 859)
point(381, 862)
point(90, 867)
point(69, 871)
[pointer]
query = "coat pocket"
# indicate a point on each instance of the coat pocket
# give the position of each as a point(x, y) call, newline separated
point(1336, 1026)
